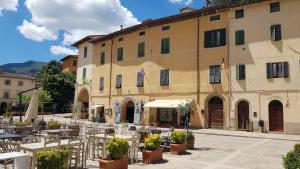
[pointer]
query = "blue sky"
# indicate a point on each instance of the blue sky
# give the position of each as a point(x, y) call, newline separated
point(28, 32)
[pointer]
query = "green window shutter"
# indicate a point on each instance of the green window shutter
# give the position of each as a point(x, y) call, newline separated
point(120, 54)
point(162, 73)
point(217, 74)
point(166, 77)
point(237, 72)
point(223, 37)
point(167, 45)
point(242, 72)
point(278, 32)
point(207, 35)
point(141, 49)
point(286, 70)
point(101, 86)
point(119, 81)
point(269, 71)
point(84, 73)
point(239, 37)
point(102, 58)
point(211, 74)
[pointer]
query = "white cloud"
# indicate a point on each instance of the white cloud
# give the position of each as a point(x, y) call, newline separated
point(78, 18)
point(9, 5)
point(35, 32)
point(61, 50)
point(185, 2)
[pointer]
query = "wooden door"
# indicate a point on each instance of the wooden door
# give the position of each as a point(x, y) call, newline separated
point(243, 115)
point(276, 116)
point(215, 113)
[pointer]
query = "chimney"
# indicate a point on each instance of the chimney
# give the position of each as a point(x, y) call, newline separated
point(187, 9)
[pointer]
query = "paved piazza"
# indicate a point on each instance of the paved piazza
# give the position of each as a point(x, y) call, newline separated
point(224, 152)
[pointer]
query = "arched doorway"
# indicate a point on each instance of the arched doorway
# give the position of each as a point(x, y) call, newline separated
point(3, 107)
point(129, 112)
point(276, 116)
point(83, 99)
point(215, 113)
point(243, 115)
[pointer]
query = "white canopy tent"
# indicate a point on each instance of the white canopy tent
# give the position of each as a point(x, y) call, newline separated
point(172, 103)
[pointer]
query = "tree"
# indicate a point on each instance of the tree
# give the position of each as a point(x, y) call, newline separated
point(44, 97)
point(61, 87)
point(52, 68)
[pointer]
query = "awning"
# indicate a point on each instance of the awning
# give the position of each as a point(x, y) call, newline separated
point(97, 106)
point(166, 103)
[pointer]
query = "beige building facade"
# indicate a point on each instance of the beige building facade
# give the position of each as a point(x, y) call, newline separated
point(143, 73)
point(11, 84)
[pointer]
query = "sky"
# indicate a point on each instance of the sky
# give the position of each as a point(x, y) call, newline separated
point(43, 30)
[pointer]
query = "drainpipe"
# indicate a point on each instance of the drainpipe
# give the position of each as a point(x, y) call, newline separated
point(198, 61)
point(229, 73)
point(110, 75)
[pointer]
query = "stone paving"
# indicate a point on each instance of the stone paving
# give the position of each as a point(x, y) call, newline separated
point(224, 152)
point(221, 149)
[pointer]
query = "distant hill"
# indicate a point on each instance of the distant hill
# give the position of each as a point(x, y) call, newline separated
point(29, 67)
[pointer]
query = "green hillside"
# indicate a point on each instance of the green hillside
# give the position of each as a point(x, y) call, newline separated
point(29, 67)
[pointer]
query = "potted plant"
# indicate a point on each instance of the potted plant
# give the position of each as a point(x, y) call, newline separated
point(54, 125)
point(178, 145)
point(117, 157)
point(52, 159)
point(190, 139)
point(152, 153)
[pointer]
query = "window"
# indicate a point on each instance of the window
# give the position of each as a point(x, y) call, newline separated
point(6, 95)
point(141, 49)
point(142, 33)
point(120, 39)
point(215, 38)
point(276, 32)
point(165, 115)
point(215, 18)
point(20, 83)
point(102, 58)
point(240, 72)
point(240, 37)
point(164, 28)
point(239, 13)
point(84, 73)
point(101, 83)
point(7, 82)
point(119, 81)
point(103, 44)
point(215, 74)
point(140, 80)
point(275, 7)
point(74, 63)
point(85, 52)
point(278, 70)
point(120, 54)
point(165, 46)
point(164, 77)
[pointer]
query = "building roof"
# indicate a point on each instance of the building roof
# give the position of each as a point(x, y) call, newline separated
point(17, 75)
point(69, 56)
point(87, 38)
point(171, 19)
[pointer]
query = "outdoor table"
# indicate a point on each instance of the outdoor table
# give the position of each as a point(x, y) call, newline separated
point(6, 136)
point(21, 160)
point(36, 147)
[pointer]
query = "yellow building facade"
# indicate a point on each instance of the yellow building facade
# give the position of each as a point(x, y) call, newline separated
point(143, 73)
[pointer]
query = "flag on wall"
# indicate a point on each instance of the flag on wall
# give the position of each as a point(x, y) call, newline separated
point(142, 72)
point(223, 64)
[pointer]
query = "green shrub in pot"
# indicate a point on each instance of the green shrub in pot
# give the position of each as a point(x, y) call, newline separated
point(291, 160)
point(152, 142)
point(178, 137)
point(52, 159)
point(117, 148)
point(53, 124)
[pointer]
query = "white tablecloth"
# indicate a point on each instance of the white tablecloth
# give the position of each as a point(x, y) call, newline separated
point(21, 160)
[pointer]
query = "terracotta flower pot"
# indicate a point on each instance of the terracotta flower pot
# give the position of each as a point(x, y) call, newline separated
point(114, 164)
point(190, 143)
point(177, 149)
point(152, 157)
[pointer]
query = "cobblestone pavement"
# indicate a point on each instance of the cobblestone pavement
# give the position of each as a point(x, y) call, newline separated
point(221, 149)
point(224, 152)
